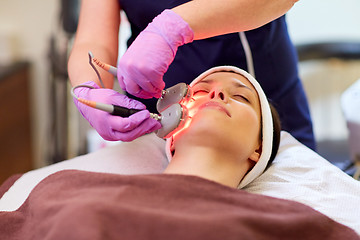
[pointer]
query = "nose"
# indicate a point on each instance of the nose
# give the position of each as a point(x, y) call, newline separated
point(217, 93)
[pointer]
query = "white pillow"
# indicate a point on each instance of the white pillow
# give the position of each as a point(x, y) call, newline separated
point(300, 174)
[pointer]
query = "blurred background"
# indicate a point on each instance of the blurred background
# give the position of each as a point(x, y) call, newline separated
point(39, 125)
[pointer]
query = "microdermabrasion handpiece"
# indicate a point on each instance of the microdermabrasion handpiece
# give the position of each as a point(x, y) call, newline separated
point(172, 118)
point(179, 93)
point(127, 112)
point(110, 108)
point(172, 114)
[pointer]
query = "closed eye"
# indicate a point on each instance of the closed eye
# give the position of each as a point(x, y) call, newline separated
point(241, 97)
point(200, 92)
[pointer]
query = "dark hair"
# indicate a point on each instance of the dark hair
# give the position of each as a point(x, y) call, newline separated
point(276, 133)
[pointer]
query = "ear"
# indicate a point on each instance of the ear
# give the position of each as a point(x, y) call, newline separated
point(255, 156)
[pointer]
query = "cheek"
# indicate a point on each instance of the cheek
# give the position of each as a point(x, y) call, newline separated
point(247, 122)
point(203, 125)
point(193, 106)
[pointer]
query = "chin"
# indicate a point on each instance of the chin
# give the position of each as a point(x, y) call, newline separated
point(204, 130)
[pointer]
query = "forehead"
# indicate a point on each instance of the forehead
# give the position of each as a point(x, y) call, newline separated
point(226, 78)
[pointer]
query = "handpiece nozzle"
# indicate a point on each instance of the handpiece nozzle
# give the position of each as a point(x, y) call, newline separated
point(172, 118)
point(127, 112)
point(179, 93)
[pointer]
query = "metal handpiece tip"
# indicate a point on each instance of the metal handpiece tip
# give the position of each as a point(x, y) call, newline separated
point(155, 116)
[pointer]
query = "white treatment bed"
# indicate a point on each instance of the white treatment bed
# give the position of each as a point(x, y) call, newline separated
point(297, 173)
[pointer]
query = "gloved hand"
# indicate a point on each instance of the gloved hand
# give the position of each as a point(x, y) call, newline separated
point(141, 69)
point(112, 127)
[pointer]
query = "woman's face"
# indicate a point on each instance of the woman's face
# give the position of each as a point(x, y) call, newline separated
point(224, 113)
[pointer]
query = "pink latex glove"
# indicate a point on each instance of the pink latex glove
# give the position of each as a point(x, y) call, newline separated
point(141, 69)
point(112, 127)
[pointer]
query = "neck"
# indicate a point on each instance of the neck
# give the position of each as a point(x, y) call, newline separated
point(209, 163)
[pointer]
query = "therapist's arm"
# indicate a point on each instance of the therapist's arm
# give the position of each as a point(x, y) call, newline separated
point(209, 18)
point(97, 31)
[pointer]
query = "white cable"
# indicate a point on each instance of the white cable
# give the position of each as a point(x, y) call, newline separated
point(248, 54)
point(78, 86)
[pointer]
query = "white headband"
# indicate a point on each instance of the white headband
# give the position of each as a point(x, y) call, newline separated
point(267, 123)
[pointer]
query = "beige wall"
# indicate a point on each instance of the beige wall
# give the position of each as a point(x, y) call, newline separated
point(324, 20)
point(324, 81)
point(30, 24)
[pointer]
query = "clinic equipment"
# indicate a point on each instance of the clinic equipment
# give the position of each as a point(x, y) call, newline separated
point(112, 109)
point(171, 104)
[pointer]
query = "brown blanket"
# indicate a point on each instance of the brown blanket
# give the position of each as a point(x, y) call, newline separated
point(82, 205)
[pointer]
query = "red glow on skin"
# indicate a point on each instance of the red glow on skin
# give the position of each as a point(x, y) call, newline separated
point(185, 126)
point(193, 108)
point(215, 105)
point(188, 98)
point(189, 105)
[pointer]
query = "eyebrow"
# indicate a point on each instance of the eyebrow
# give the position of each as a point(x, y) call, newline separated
point(205, 81)
point(242, 85)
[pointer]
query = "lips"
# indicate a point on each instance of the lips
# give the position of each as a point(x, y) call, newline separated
point(215, 105)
